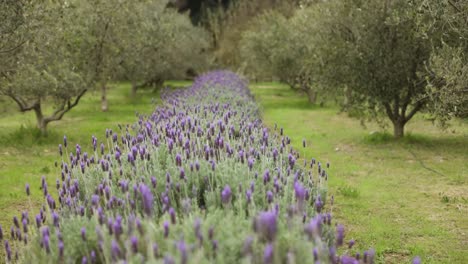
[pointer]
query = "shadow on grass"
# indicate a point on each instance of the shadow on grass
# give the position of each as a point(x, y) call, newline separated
point(454, 144)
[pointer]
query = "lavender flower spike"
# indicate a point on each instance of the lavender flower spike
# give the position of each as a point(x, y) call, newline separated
point(266, 225)
point(226, 194)
point(417, 260)
point(268, 254)
point(147, 199)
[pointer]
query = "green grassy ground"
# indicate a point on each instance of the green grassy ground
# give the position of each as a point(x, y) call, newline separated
point(402, 198)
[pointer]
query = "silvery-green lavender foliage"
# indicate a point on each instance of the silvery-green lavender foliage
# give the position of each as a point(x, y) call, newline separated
point(200, 180)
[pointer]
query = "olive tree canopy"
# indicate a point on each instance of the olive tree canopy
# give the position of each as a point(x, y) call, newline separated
point(448, 67)
point(37, 67)
point(158, 44)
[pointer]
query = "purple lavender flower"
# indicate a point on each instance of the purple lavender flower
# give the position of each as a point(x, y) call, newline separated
point(117, 227)
point(215, 245)
point(248, 195)
point(95, 200)
point(8, 250)
point(247, 248)
point(266, 176)
point(25, 226)
point(318, 204)
point(226, 194)
point(266, 225)
point(60, 248)
point(38, 220)
point(166, 229)
point(348, 260)
point(351, 243)
point(147, 199)
point(178, 160)
point(269, 196)
point(268, 254)
point(153, 181)
point(84, 260)
point(83, 233)
point(55, 219)
point(134, 244)
point(182, 173)
point(172, 214)
point(65, 141)
point(15, 221)
point(369, 256)
point(314, 228)
point(417, 260)
point(197, 227)
point(315, 253)
point(332, 255)
point(250, 163)
point(213, 165)
point(46, 243)
point(300, 191)
point(183, 252)
point(115, 251)
point(340, 233)
point(28, 191)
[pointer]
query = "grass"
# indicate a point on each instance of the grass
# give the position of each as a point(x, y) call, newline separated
point(403, 198)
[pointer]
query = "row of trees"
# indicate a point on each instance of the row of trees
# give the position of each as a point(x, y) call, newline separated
point(56, 51)
point(388, 59)
point(383, 59)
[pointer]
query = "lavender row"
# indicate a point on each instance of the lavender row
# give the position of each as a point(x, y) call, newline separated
point(200, 180)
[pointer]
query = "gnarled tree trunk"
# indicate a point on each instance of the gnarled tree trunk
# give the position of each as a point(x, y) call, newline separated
point(41, 121)
point(399, 115)
point(398, 128)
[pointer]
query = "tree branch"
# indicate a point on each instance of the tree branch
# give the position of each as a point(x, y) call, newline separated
point(64, 108)
point(418, 107)
point(396, 107)
point(21, 103)
point(388, 110)
point(454, 6)
point(13, 48)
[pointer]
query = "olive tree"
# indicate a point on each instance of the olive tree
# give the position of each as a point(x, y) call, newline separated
point(96, 31)
point(381, 56)
point(158, 44)
point(282, 48)
point(39, 69)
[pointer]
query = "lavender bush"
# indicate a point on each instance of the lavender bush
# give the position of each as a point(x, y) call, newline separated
point(201, 180)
